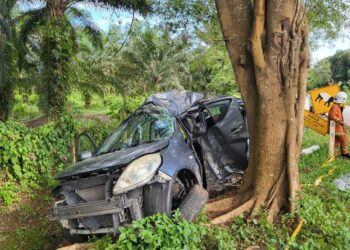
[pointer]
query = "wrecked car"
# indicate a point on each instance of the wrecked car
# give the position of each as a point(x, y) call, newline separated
point(171, 153)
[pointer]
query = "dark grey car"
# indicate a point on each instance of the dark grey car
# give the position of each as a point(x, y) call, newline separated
point(178, 147)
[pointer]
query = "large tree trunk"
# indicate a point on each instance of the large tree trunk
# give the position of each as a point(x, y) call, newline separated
point(268, 47)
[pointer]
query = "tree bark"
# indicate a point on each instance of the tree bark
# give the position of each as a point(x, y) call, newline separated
point(267, 42)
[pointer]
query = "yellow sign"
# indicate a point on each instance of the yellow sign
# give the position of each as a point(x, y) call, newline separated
point(322, 98)
point(315, 122)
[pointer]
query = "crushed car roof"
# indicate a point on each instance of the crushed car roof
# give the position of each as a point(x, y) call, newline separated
point(176, 101)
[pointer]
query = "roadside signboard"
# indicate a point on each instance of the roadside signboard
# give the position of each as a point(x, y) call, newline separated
point(322, 98)
point(315, 122)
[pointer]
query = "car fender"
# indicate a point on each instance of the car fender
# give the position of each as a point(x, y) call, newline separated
point(179, 156)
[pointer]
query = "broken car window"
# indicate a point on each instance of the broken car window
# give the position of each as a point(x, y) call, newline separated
point(218, 110)
point(149, 124)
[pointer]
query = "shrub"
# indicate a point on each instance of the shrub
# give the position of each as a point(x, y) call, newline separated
point(9, 193)
point(29, 155)
point(161, 232)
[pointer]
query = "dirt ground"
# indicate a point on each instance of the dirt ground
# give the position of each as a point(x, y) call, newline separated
point(26, 226)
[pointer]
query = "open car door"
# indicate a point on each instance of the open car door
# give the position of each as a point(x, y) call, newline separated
point(226, 139)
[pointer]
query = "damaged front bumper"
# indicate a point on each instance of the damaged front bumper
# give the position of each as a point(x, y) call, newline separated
point(99, 217)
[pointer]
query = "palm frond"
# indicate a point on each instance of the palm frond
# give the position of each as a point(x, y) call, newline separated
point(31, 20)
point(82, 19)
point(141, 6)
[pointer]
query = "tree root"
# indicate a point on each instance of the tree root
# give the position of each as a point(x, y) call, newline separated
point(218, 207)
point(234, 213)
point(276, 205)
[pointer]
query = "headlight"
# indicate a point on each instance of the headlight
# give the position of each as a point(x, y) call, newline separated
point(138, 173)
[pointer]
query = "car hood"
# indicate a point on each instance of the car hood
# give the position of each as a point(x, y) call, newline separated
point(111, 161)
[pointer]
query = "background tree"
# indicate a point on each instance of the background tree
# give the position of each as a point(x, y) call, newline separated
point(327, 19)
point(7, 36)
point(56, 22)
point(87, 75)
point(340, 65)
point(319, 74)
point(150, 61)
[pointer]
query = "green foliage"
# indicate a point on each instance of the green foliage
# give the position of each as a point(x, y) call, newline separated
point(212, 72)
point(158, 232)
point(326, 224)
point(319, 74)
point(326, 18)
point(340, 65)
point(30, 156)
point(9, 193)
point(122, 107)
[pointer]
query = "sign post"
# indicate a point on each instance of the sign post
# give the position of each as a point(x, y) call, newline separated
point(331, 138)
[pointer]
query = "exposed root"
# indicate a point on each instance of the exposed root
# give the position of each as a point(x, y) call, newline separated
point(234, 213)
point(276, 205)
point(218, 207)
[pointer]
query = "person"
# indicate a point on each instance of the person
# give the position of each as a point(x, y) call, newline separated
point(335, 114)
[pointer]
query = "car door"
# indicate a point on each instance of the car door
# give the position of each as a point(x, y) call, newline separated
point(227, 135)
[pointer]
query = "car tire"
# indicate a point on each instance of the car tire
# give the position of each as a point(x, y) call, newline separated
point(74, 238)
point(158, 199)
point(194, 201)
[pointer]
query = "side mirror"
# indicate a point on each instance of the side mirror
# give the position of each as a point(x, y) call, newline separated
point(86, 146)
point(85, 155)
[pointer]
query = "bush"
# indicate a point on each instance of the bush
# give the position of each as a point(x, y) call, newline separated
point(121, 108)
point(30, 155)
point(161, 232)
point(157, 232)
point(9, 193)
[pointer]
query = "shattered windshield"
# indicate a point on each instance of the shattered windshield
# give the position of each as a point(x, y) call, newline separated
point(149, 124)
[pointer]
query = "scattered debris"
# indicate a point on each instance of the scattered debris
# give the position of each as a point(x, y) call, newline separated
point(343, 183)
point(310, 150)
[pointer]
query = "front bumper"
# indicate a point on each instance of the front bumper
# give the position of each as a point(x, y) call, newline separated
point(99, 217)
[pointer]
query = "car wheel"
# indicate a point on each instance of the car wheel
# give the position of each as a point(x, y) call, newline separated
point(194, 201)
point(183, 194)
point(74, 238)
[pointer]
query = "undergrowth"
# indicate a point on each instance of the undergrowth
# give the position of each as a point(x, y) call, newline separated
point(324, 209)
point(30, 157)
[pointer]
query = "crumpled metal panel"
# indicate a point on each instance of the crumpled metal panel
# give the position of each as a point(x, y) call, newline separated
point(176, 101)
point(111, 161)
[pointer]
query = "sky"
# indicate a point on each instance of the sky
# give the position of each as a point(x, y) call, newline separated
point(325, 50)
point(105, 18)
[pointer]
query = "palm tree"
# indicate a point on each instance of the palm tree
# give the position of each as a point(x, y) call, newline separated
point(152, 61)
point(56, 22)
point(87, 74)
point(7, 34)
